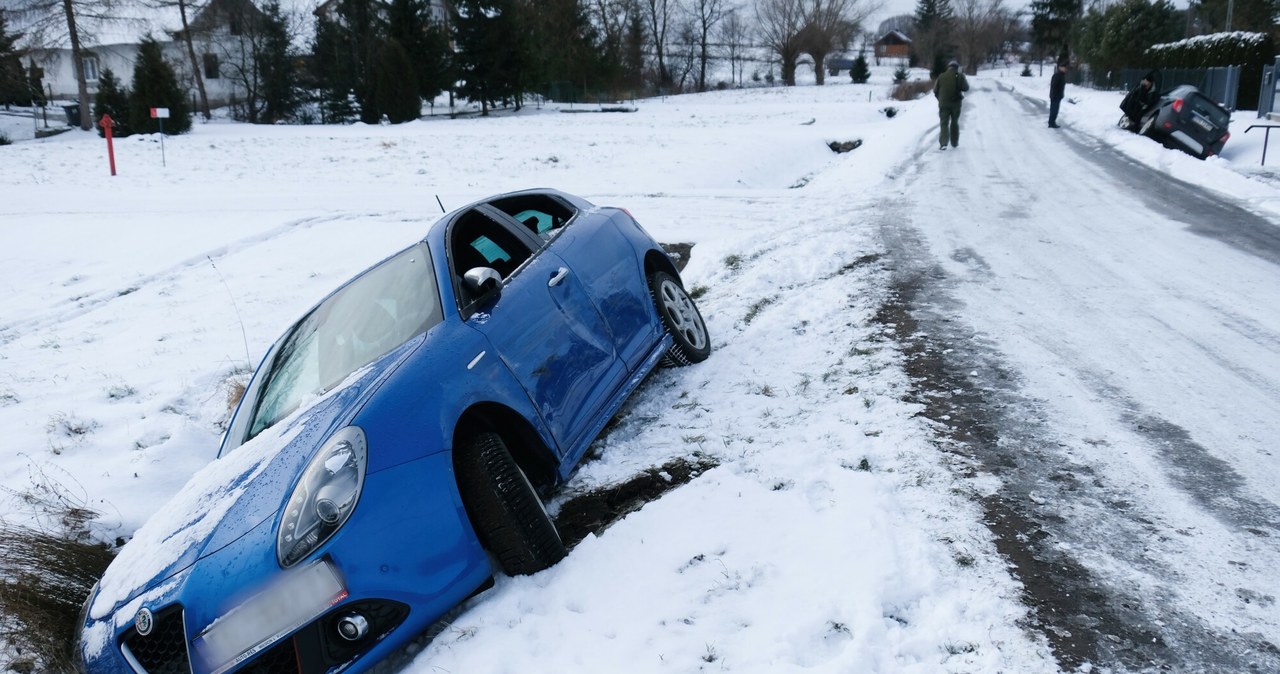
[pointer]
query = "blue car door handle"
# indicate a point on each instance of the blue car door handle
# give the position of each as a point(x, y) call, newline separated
point(560, 274)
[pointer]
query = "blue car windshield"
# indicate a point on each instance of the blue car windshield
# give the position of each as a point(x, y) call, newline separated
point(383, 308)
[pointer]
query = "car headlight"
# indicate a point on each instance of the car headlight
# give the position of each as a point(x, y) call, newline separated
point(324, 497)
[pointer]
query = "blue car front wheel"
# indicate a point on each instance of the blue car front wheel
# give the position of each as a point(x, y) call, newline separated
point(505, 511)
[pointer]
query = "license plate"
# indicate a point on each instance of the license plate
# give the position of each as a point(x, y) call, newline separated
point(289, 603)
point(1202, 123)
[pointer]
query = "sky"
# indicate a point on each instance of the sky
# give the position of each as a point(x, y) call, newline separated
point(833, 536)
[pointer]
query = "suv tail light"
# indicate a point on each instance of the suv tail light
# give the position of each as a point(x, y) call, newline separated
point(1177, 105)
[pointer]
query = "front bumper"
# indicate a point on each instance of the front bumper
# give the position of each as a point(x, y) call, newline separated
point(407, 556)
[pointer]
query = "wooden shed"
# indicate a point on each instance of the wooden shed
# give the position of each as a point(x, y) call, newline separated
point(893, 44)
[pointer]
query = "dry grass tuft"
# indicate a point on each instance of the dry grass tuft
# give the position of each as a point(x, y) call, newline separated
point(44, 580)
point(46, 573)
point(910, 91)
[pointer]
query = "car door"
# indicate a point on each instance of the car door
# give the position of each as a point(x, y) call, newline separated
point(607, 264)
point(541, 324)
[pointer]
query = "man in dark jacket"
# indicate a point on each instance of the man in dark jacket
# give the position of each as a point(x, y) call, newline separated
point(1143, 97)
point(949, 90)
point(1057, 88)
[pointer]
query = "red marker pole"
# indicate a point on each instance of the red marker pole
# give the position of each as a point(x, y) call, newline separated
point(106, 123)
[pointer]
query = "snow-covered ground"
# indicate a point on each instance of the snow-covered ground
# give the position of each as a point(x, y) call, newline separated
point(833, 536)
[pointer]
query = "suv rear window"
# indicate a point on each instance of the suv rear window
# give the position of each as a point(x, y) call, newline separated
point(1210, 110)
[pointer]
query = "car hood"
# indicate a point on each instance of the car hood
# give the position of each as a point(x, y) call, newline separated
point(232, 495)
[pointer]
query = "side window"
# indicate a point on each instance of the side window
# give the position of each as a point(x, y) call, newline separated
point(90, 64)
point(480, 242)
point(540, 213)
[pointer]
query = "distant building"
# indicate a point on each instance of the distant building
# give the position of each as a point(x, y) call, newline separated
point(893, 44)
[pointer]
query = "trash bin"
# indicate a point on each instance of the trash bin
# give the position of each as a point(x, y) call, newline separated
point(73, 114)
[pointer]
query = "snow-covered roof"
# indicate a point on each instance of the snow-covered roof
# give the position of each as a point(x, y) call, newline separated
point(894, 36)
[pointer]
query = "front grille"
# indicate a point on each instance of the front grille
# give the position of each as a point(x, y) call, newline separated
point(164, 650)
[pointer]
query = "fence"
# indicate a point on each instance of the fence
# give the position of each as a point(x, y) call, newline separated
point(1222, 84)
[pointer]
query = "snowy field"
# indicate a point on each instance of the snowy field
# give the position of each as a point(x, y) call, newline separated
point(832, 537)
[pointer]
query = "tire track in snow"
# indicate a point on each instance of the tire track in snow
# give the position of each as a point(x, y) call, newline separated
point(92, 302)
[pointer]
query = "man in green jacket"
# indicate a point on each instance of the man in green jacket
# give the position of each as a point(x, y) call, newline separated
point(949, 90)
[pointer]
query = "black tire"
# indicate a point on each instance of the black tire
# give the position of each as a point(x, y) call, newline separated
point(505, 510)
point(682, 320)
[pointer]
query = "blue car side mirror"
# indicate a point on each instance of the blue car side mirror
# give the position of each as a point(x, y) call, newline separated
point(480, 281)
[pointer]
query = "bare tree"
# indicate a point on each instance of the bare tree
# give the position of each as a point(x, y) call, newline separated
point(53, 23)
point(683, 55)
point(980, 28)
point(829, 26)
point(189, 8)
point(779, 23)
point(659, 14)
point(707, 14)
point(734, 36)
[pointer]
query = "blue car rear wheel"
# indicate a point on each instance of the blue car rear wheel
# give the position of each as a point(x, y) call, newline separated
point(682, 320)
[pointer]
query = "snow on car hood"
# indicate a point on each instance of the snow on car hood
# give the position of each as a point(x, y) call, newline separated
point(229, 497)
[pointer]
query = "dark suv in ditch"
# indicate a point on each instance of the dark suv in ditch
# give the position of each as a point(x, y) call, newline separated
point(1187, 119)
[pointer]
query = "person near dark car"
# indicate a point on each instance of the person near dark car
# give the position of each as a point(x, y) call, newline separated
point(1057, 89)
point(1140, 100)
point(949, 89)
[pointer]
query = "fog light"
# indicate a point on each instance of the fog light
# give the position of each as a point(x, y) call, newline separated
point(353, 627)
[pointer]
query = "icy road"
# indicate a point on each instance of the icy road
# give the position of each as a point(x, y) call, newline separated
point(1106, 340)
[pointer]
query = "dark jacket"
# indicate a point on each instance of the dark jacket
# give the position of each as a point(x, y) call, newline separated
point(950, 87)
point(1142, 98)
point(1057, 85)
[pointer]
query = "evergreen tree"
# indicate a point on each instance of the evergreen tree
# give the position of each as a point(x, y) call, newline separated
point(277, 78)
point(395, 91)
point(426, 42)
point(333, 71)
point(489, 59)
point(13, 77)
point(633, 51)
point(1052, 22)
point(346, 56)
point(1116, 37)
point(112, 100)
point(933, 21)
point(156, 86)
point(859, 72)
point(567, 46)
point(435, 68)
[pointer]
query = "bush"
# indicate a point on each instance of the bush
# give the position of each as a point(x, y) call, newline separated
point(900, 75)
point(111, 100)
point(910, 91)
point(45, 576)
point(859, 72)
point(1026, 70)
point(4, 140)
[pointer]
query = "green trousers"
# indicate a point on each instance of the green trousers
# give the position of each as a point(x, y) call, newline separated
point(949, 124)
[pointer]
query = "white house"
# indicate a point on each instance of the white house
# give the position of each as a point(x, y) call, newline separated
point(219, 28)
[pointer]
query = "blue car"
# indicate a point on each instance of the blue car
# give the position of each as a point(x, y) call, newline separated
point(387, 457)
